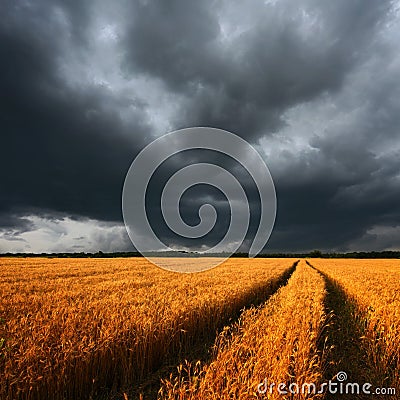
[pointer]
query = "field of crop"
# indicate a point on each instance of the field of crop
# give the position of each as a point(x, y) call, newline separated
point(73, 328)
point(372, 289)
point(278, 341)
point(124, 329)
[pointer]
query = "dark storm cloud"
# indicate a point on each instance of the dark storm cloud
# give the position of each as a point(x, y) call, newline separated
point(84, 86)
point(62, 149)
point(14, 225)
point(243, 83)
point(337, 192)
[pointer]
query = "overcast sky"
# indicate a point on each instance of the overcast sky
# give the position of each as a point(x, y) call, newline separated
point(314, 85)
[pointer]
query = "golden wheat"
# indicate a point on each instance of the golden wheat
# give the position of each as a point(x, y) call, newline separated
point(373, 287)
point(277, 343)
point(72, 327)
point(84, 328)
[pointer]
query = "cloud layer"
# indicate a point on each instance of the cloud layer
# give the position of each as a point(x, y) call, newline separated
point(86, 85)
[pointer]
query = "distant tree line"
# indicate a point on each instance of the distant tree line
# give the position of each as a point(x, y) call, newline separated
point(312, 254)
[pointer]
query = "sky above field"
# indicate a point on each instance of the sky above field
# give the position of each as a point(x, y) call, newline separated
point(313, 85)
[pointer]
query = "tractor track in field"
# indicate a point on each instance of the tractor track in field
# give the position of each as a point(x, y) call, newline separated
point(348, 352)
point(202, 349)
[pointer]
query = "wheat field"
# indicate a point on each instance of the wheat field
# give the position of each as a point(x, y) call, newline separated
point(74, 327)
point(261, 346)
point(372, 287)
point(125, 329)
